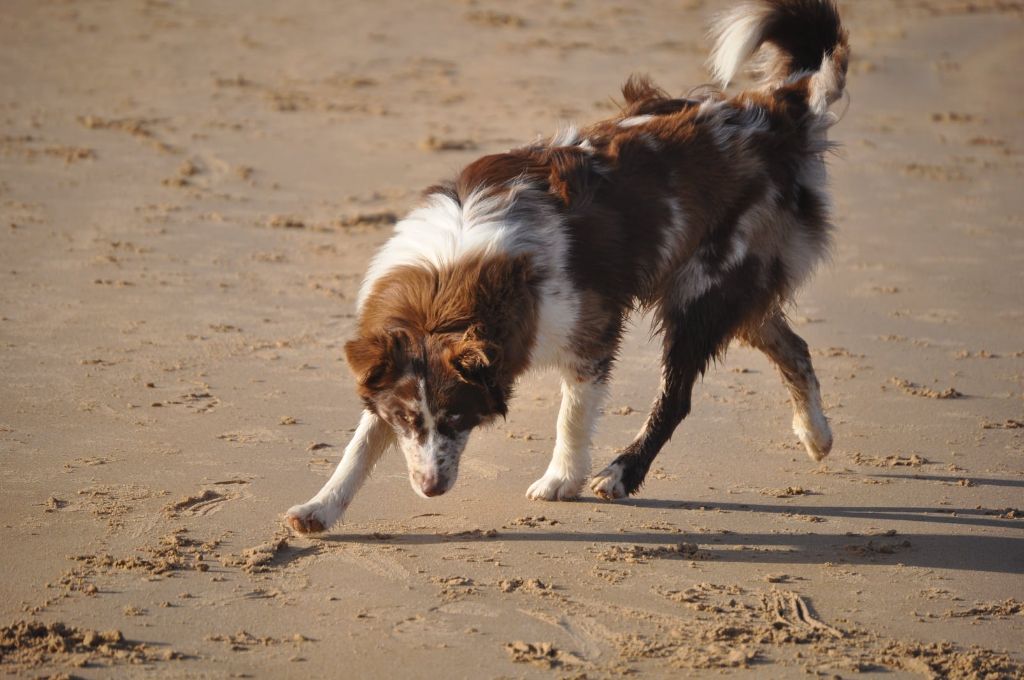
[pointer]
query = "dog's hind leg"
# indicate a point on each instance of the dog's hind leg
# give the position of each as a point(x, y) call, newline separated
point(789, 353)
point(372, 438)
point(570, 461)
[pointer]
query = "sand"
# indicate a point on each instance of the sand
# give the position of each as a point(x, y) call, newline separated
point(189, 195)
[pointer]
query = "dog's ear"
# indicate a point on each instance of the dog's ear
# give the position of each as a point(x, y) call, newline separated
point(476, 362)
point(472, 356)
point(375, 358)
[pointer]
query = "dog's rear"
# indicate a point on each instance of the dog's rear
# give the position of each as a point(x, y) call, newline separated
point(768, 171)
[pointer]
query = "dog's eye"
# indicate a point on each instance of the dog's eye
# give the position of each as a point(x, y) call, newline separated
point(455, 419)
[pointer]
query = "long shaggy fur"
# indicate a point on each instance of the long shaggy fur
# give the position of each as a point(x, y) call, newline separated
point(710, 211)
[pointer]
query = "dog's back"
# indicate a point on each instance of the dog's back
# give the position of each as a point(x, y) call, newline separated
point(662, 201)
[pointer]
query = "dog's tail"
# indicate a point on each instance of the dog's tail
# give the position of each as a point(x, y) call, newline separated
point(797, 38)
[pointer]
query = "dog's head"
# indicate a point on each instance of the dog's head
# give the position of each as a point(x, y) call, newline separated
point(433, 390)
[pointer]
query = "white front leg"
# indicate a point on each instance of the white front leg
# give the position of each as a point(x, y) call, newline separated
point(371, 439)
point(570, 461)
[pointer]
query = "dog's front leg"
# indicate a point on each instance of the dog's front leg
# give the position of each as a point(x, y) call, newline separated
point(689, 343)
point(570, 462)
point(372, 438)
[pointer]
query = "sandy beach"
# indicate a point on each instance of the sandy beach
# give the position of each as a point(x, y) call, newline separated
point(189, 195)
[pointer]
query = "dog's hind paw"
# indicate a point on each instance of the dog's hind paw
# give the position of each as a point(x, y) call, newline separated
point(555, 487)
point(607, 483)
point(815, 434)
point(310, 518)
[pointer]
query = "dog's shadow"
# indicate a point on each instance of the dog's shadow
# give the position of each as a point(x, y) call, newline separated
point(992, 552)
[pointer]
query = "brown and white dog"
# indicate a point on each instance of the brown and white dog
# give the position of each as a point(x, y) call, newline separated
point(709, 212)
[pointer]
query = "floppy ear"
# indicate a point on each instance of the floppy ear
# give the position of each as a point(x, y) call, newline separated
point(475, 361)
point(472, 356)
point(374, 358)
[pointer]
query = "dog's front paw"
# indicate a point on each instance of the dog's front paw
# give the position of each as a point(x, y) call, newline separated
point(608, 483)
point(310, 518)
point(555, 487)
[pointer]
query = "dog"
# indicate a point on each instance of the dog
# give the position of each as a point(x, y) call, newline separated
point(708, 212)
